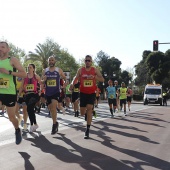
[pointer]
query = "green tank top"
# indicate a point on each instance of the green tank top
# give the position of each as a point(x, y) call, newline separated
point(67, 88)
point(7, 84)
point(123, 93)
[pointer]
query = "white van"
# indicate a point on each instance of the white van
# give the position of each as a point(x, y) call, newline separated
point(153, 94)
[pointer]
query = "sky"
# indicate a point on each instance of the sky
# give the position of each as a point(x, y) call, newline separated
point(120, 28)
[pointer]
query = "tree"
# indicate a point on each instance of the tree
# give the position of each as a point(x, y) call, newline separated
point(158, 67)
point(67, 62)
point(64, 60)
point(43, 51)
point(126, 77)
point(141, 71)
point(110, 65)
point(17, 52)
point(110, 68)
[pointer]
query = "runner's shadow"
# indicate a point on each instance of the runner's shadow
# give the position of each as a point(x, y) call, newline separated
point(144, 123)
point(106, 128)
point(146, 159)
point(27, 163)
point(75, 153)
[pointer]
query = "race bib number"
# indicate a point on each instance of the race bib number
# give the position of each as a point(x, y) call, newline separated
point(30, 87)
point(76, 89)
point(51, 83)
point(4, 83)
point(88, 83)
point(111, 96)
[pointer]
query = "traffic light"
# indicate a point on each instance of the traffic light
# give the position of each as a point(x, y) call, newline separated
point(155, 45)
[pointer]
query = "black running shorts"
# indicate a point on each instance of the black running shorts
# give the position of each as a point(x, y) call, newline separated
point(87, 99)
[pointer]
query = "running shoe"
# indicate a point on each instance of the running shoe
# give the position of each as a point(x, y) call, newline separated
point(86, 135)
point(18, 136)
point(31, 128)
point(125, 113)
point(35, 127)
point(55, 128)
point(2, 113)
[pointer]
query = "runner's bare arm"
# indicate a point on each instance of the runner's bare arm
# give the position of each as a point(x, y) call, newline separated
point(62, 74)
point(77, 77)
point(16, 64)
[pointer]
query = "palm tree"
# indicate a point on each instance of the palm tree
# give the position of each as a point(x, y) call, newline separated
point(43, 51)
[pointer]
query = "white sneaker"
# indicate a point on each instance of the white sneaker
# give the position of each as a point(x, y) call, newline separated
point(35, 127)
point(117, 111)
point(31, 128)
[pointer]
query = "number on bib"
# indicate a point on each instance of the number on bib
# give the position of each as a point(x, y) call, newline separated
point(4, 83)
point(88, 83)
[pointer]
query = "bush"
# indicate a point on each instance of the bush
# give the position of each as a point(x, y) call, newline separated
point(137, 97)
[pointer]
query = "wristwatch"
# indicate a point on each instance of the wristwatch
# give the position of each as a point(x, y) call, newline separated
point(10, 72)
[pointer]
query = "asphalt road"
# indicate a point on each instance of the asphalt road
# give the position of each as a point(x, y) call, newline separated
point(140, 141)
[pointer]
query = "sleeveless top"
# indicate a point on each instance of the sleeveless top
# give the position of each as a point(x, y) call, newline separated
point(123, 93)
point(7, 82)
point(52, 84)
point(87, 86)
point(111, 92)
point(30, 85)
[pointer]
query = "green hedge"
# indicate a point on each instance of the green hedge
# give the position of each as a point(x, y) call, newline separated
point(137, 97)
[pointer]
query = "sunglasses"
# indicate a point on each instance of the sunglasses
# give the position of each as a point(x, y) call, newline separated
point(87, 60)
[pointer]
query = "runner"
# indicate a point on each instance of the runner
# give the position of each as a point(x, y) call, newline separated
point(21, 103)
point(10, 68)
point(61, 98)
point(51, 79)
point(117, 96)
point(98, 91)
point(111, 94)
point(87, 76)
point(29, 85)
point(75, 97)
point(123, 97)
point(129, 97)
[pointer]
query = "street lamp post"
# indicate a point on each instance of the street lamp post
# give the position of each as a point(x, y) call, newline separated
point(105, 75)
